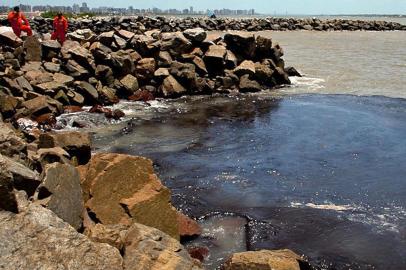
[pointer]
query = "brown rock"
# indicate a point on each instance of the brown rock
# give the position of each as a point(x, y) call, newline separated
point(77, 144)
point(200, 65)
point(164, 59)
point(188, 227)
point(199, 253)
point(88, 91)
point(264, 47)
point(142, 95)
point(10, 143)
point(60, 192)
point(8, 200)
point(127, 35)
point(175, 43)
point(241, 43)
point(72, 109)
point(171, 87)
point(33, 50)
point(195, 35)
point(149, 248)
point(42, 105)
point(145, 69)
point(246, 67)
point(37, 239)
point(214, 58)
point(138, 194)
point(130, 84)
point(23, 178)
point(248, 85)
point(114, 235)
point(264, 259)
point(8, 105)
point(10, 39)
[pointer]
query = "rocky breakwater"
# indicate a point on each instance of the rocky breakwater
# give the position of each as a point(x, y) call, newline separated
point(39, 79)
point(112, 212)
point(141, 24)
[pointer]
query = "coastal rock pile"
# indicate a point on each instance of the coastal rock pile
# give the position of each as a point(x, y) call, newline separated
point(141, 24)
point(54, 215)
point(98, 70)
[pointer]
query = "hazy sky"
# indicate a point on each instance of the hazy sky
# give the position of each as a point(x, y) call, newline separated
point(261, 6)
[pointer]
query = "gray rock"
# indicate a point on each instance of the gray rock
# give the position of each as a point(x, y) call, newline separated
point(60, 192)
point(38, 239)
point(195, 35)
point(32, 47)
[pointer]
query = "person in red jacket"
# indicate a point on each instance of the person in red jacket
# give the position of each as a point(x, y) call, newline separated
point(60, 28)
point(19, 22)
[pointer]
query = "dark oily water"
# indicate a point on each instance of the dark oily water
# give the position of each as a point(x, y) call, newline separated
point(322, 175)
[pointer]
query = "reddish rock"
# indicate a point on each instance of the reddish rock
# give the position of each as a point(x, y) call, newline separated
point(188, 227)
point(72, 109)
point(142, 95)
point(46, 119)
point(199, 253)
point(100, 109)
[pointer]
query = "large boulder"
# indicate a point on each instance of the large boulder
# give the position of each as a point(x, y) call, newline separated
point(175, 43)
point(60, 191)
point(172, 88)
point(264, 260)
point(248, 85)
point(241, 43)
point(8, 200)
point(149, 248)
point(124, 189)
point(214, 58)
point(10, 39)
point(246, 67)
point(145, 68)
point(130, 84)
point(77, 144)
point(10, 143)
point(33, 49)
point(38, 239)
point(88, 91)
point(195, 35)
point(23, 178)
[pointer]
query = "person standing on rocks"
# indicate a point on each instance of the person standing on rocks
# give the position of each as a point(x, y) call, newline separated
point(19, 22)
point(60, 28)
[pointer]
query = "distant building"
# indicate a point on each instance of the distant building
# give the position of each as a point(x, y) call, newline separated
point(84, 8)
point(76, 8)
point(191, 10)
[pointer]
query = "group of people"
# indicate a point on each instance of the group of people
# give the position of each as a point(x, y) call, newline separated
point(19, 23)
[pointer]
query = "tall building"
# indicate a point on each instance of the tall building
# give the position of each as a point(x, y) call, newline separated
point(191, 10)
point(84, 8)
point(76, 8)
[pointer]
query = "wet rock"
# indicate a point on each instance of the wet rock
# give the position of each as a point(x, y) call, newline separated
point(139, 197)
point(291, 71)
point(248, 85)
point(37, 238)
point(264, 259)
point(188, 227)
point(171, 87)
point(231, 60)
point(60, 192)
point(33, 50)
point(198, 253)
point(263, 47)
point(142, 95)
point(184, 73)
point(108, 95)
point(264, 74)
point(77, 144)
point(281, 77)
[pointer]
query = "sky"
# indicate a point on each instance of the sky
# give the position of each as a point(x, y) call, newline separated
point(260, 6)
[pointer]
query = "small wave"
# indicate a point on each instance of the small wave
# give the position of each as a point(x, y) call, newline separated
point(308, 82)
point(328, 206)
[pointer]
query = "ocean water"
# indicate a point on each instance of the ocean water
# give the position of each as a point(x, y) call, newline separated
point(318, 167)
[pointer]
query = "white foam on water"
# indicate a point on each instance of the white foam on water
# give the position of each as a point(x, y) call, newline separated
point(308, 82)
point(382, 219)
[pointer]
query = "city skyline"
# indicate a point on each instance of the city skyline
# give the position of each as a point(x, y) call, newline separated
point(264, 7)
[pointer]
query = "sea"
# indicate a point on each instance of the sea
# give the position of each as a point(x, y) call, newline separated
point(318, 167)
